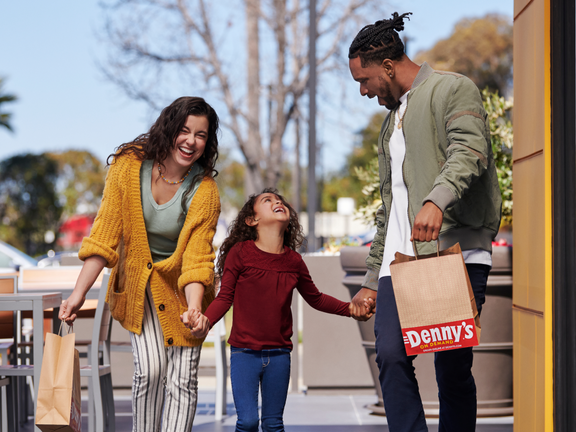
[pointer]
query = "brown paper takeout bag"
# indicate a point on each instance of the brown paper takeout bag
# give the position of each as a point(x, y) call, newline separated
point(58, 407)
point(435, 301)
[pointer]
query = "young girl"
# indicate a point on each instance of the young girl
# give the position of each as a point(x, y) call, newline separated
point(155, 228)
point(260, 268)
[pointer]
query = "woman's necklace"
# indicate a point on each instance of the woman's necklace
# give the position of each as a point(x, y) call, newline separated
point(173, 182)
point(400, 119)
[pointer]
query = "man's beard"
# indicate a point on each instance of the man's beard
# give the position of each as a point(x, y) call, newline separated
point(389, 102)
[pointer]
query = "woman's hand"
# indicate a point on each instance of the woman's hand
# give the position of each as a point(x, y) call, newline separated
point(201, 327)
point(190, 317)
point(71, 306)
point(196, 322)
point(91, 268)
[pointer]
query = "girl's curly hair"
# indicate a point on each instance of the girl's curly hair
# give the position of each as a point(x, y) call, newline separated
point(239, 231)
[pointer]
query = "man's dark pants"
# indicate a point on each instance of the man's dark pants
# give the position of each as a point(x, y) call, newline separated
point(456, 387)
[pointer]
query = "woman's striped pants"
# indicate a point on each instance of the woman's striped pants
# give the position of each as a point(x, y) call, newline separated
point(165, 382)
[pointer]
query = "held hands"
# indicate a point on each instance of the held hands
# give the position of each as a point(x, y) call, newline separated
point(363, 305)
point(427, 223)
point(196, 322)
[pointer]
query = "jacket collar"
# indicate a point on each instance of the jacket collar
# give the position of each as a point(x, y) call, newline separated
point(425, 72)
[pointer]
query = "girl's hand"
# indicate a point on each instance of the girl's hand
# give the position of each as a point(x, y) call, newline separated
point(370, 305)
point(201, 327)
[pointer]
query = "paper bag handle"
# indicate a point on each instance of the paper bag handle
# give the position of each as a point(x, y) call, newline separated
point(69, 328)
point(416, 251)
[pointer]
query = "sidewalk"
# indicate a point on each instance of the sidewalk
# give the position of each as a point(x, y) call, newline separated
point(303, 413)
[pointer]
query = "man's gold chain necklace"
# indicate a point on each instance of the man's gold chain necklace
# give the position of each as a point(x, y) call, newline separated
point(401, 119)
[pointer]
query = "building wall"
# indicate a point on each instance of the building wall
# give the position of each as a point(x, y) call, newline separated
point(532, 310)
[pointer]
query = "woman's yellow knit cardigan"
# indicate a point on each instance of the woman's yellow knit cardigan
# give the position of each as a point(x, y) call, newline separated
point(119, 235)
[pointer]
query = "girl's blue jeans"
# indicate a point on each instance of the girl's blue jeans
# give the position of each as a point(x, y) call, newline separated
point(268, 370)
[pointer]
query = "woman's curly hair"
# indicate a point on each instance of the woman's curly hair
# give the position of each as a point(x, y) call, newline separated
point(240, 231)
point(159, 141)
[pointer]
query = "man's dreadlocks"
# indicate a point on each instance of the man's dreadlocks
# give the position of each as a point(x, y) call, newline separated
point(379, 41)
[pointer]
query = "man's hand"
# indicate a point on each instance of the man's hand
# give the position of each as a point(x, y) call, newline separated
point(363, 305)
point(427, 223)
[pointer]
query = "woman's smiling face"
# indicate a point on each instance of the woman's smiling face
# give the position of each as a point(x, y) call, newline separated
point(190, 143)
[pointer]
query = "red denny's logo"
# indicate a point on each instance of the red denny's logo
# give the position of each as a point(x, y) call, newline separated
point(437, 337)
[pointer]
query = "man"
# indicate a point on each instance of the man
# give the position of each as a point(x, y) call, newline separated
point(438, 182)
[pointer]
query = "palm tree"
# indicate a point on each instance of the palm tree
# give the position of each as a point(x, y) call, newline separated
point(5, 117)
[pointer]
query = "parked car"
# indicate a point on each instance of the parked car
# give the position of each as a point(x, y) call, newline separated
point(11, 259)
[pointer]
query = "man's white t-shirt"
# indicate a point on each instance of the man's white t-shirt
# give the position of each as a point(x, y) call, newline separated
point(399, 228)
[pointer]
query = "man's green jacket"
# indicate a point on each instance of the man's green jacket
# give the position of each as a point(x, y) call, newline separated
point(448, 161)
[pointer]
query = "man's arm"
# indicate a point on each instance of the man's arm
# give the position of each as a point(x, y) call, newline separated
point(468, 149)
point(467, 156)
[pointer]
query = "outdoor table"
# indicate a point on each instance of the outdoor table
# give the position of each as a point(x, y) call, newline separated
point(36, 303)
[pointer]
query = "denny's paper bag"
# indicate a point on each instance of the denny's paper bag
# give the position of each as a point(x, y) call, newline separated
point(435, 301)
point(58, 407)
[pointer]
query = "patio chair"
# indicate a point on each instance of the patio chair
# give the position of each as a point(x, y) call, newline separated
point(4, 410)
point(10, 372)
point(7, 325)
point(8, 285)
point(101, 412)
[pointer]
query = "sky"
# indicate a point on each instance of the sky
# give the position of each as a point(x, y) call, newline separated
point(50, 55)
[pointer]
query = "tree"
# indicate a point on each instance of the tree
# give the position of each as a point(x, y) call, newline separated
point(157, 44)
point(29, 205)
point(479, 48)
point(80, 181)
point(347, 183)
point(230, 181)
point(4, 116)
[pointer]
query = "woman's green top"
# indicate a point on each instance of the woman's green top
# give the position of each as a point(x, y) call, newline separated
point(164, 222)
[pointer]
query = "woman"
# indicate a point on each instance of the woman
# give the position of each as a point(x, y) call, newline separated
point(155, 227)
